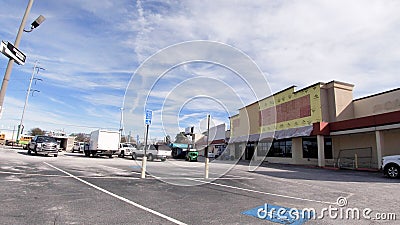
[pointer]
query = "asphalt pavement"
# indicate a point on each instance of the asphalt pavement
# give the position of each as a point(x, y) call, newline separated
point(73, 189)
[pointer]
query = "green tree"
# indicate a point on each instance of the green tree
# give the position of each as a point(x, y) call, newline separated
point(36, 131)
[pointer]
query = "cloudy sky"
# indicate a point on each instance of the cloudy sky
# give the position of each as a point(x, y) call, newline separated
point(93, 52)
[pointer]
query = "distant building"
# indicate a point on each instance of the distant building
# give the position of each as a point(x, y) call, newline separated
point(318, 125)
point(217, 140)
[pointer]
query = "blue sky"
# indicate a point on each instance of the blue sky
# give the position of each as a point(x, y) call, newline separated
point(92, 48)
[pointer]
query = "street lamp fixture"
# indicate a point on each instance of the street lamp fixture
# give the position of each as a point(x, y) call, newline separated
point(36, 23)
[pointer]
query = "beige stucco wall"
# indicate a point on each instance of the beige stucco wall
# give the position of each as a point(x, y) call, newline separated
point(383, 103)
point(391, 145)
point(355, 141)
point(326, 104)
point(248, 121)
point(340, 98)
point(344, 106)
point(234, 132)
point(253, 111)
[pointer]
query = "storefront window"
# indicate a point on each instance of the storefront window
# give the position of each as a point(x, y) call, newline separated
point(281, 148)
point(328, 148)
point(263, 148)
point(310, 148)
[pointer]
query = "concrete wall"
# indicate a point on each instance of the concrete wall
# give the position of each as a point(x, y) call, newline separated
point(378, 104)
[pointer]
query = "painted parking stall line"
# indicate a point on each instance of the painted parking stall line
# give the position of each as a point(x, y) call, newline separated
point(264, 193)
point(119, 197)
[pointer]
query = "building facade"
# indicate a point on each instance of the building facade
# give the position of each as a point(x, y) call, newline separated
point(318, 125)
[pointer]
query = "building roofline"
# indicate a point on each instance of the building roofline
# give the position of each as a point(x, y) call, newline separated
point(309, 86)
point(377, 94)
point(297, 91)
point(234, 115)
point(293, 86)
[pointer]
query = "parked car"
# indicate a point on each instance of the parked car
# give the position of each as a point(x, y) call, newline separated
point(161, 152)
point(45, 145)
point(391, 166)
point(78, 147)
point(126, 149)
point(75, 147)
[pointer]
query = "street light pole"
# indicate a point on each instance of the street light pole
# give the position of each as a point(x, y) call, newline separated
point(11, 61)
point(120, 128)
point(207, 160)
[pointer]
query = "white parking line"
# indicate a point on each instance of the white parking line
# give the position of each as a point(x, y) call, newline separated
point(64, 176)
point(119, 197)
point(265, 193)
point(31, 174)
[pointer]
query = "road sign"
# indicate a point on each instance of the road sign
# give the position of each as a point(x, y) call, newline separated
point(149, 115)
point(12, 52)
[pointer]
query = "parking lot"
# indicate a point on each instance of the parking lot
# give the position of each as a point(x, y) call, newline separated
point(73, 189)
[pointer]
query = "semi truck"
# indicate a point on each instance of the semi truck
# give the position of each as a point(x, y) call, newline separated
point(103, 142)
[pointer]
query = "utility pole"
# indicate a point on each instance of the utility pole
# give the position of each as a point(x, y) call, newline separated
point(21, 126)
point(120, 127)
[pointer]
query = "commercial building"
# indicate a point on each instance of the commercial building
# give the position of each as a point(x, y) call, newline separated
point(217, 139)
point(319, 125)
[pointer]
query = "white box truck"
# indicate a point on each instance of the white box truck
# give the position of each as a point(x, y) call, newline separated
point(103, 142)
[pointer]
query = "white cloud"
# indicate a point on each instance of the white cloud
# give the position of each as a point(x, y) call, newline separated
point(90, 50)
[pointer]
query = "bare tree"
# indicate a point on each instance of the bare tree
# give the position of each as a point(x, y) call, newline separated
point(81, 137)
point(36, 131)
